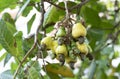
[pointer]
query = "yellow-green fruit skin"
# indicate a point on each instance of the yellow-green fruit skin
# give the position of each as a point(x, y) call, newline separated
point(47, 41)
point(78, 30)
point(82, 47)
point(61, 32)
point(54, 46)
point(68, 60)
point(61, 49)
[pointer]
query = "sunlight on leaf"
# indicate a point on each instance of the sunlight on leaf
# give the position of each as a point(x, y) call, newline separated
point(58, 69)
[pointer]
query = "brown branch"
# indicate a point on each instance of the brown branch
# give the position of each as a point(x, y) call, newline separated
point(23, 60)
point(35, 41)
point(54, 4)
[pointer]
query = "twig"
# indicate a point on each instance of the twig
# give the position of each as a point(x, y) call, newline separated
point(42, 58)
point(66, 9)
point(79, 5)
point(23, 60)
point(35, 41)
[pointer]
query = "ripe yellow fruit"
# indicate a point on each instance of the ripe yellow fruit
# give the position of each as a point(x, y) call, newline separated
point(61, 49)
point(78, 30)
point(54, 46)
point(47, 41)
point(82, 47)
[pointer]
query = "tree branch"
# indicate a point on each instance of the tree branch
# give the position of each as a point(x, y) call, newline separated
point(54, 4)
point(35, 41)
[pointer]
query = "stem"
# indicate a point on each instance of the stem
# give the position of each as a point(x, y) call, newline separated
point(66, 9)
point(24, 59)
point(35, 41)
point(55, 5)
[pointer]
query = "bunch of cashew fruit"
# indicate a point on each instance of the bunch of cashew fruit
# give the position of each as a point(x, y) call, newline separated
point(67, 48)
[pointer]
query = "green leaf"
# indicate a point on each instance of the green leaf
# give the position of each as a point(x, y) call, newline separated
point(102, 64)
point(53, 15)
point(33, 74)
point(9, 22)
point(7, 4)
point(95, 35)
point(3, 56)
point(53, 75)
point(27, 10)
point(7, 58)
point(22, 8)
point(92, 70)
point(101, 74)
point(6, 38)
point(18, 43)
point(1, 47)
point(30, 22)
point(6, 75)
point(35, 0)
point(90, 16)
point(35, 64)
point(7, 17)
point(98, 6)
point(27, 44)
point(13, 66)
point(106, 24)
point(58, 69)
point(107, 51)
point(49, 29)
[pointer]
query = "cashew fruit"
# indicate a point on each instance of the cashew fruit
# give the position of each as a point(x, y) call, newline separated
point(78, 30)
point(47, 41)
point(82, 47)
point(54, 46)
point(61, 49)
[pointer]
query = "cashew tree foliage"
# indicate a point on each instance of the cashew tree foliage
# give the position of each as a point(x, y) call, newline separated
point(73, 39)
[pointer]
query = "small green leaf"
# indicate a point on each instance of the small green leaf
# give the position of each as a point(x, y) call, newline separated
point(30, 22)
point(49, 29)
point(7, 17)
point(3, 56)
point(18, 43)
point(33, 74)
point(27, 10)
point(7, 58)
point(13, 66)
point(9, 22)
point(107, 51)
point(1, 47)
point(35, 64)
point(6, 75)
point(27, 44)
point(22, 8)
point(58, 69)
